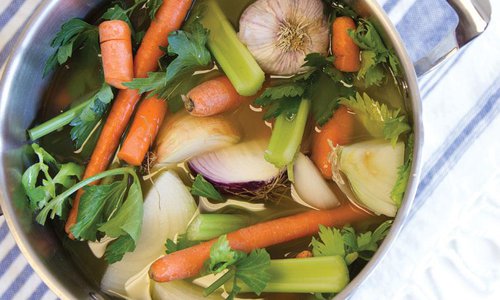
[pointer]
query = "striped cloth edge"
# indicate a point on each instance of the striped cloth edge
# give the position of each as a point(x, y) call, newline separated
point(20, 282)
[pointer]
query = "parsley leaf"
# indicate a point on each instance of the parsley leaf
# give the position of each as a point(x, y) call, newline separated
point(45, 180)
point(340, 8)
point(377, 118)
point(374, 54)
point(85, 123)
point(191, 54)
point(251, 269)
point(117, 248)
point(201, 187)
point(399, 188)
point(74, 34)
point(151, 6)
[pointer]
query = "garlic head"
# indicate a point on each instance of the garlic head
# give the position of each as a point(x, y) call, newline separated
point(280, 33)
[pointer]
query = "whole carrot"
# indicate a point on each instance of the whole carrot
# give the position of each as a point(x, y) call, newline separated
point(116, 52)
point(147, 121)
point(344, 49)
point(337, 131)
point(212, 97)
point(108, 141)
point(169, 17)
point(188, 262)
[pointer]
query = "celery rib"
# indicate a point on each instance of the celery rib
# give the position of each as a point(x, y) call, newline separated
point(232, 55)
point(287, 136)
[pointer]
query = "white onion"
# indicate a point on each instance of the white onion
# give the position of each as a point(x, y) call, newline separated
point(185, 136)
point(309, 187)
point(168, 208)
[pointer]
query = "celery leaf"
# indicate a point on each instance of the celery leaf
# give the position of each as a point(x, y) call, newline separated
point(399, 188)
point(180, 243)
point(201, 187)
point(45, 180)
point(377, 118)
point(85, 123)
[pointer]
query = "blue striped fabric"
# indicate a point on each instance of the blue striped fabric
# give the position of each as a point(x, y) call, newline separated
point(456, 206)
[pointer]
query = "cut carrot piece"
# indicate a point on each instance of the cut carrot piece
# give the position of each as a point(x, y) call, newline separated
point(344, 49)
point(212, 97)
point(188, 262)
point(147, 122)
point(338, 130)
point(116, 52)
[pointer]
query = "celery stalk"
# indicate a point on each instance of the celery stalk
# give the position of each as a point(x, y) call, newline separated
point(326, 274)
point(287, 136)
point(208, 226)
point(234, 58)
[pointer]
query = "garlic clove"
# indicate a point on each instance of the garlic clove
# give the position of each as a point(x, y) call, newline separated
point(280, 33)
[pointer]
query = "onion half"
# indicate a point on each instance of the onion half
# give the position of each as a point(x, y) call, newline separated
point(240, 170)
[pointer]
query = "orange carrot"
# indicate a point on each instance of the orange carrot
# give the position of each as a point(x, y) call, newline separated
point(304, 254)
point(169, 18)
point(344, 49)
point(188, 262)
point(117, 120)
point(212, 97)
point(147, 121)
point(116, 52)
point(338, 130)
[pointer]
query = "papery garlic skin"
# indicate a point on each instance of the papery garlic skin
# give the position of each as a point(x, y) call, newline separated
point(280, 33)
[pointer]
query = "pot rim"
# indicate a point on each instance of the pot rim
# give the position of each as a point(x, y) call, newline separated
point(6, 84)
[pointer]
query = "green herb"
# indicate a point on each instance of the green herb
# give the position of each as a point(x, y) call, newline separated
point(399, 188)
point(251, 269)
point(190, 52)
point(117, 13)
point(346, 243)
point(374, 54)
point(46, 179)
point(151, 6)
point(340, 8)
point(201, 187)
point(89, 117)
point(181, 242)
point(74, 34)
point(377, 118)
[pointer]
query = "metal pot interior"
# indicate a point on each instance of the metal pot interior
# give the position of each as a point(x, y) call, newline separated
point(71, 271)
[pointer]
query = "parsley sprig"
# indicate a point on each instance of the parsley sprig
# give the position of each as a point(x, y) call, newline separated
point(190, 54)
point(74, 34)
point(250, 269)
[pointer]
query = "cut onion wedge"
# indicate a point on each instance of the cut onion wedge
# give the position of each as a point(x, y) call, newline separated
point(309, 187)
point(185, 136)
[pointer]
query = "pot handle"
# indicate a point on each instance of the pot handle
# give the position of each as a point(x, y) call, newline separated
point(473, 18)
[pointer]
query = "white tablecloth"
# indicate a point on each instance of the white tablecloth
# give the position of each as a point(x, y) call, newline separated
point(450, 246)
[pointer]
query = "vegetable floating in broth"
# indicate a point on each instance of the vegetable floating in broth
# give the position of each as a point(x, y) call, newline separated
point(261, 147)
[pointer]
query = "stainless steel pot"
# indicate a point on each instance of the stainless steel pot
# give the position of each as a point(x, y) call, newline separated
point(21, 92)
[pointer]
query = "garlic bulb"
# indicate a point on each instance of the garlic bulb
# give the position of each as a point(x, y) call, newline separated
point(280, 33)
